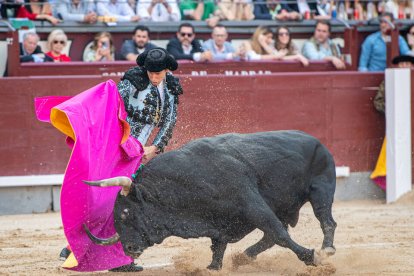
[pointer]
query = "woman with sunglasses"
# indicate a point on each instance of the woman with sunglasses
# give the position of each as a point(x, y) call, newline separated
point(56, 42)
point(284, 42)
point(260, 46)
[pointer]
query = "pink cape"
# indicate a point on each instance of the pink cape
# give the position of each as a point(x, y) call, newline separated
point(94, 122)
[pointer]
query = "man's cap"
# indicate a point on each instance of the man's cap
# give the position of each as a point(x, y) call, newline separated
point(156, 60)
point(403, 58)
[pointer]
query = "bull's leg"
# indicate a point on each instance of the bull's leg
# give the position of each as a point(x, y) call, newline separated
point(275, 233)
point(218, 247)
point(321, 199)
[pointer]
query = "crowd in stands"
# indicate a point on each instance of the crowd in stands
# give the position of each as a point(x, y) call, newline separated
point(265, 44)
point(211, 11)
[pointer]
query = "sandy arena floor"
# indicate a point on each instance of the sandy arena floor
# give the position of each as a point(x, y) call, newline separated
point(372, 238)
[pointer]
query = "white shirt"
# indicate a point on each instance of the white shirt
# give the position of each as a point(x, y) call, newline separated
point(120, 10)
point(303, 6)
point(147, 129)
point(159, 11)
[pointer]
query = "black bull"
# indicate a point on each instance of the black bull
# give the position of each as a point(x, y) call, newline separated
point(226, 186)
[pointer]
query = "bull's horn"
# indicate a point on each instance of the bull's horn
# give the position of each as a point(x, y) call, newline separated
point(109, 241)
point(123, 181)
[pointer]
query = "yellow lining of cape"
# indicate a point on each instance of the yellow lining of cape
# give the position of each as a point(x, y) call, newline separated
point(60, 120)
point(70, 262)
point(381, 167)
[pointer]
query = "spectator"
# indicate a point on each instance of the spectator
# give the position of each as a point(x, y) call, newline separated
point(274, 9)
point(37, 10)
point(9, 8)
point(232, 10)
point(197, 9)
point(76, 10)
point(284, 41)
point(321, 47)
point(218, 46)
point(132, 4)
point(30, 51)
point(318, 10)
point(185, 46)
point(374, 49)
point(261, 46)
point(102, 48)
point(119, 9)
point(410, 39)
point(159, 10)
point(137, 45)
point(56, 42)
point(401, 9)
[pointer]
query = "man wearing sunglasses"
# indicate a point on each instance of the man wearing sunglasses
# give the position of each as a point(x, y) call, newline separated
point(374, 49)
point(185, 46)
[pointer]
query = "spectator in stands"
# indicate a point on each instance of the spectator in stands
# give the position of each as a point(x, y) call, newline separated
point(198, 10)
point(102, 48)
point(35, 10)
point(118, 9)
point(56, 42)
point(138, 44)
point(321, 47)
point(318, 10)
point(284, 41)
point(30, 51)
point(158, 10)
point(76, 10)
point(132, 4)
point(232, 10)
point(401, 9)
point(185, 46)
point(274, 10)
point(218, 46)
point(374, 49)
point(9, 8)
point(261, 46)
point(410, 39)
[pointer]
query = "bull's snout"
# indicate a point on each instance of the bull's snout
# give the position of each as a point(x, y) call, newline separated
point(133, 250)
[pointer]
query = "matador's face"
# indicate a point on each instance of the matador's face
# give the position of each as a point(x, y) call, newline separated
point(157, 77)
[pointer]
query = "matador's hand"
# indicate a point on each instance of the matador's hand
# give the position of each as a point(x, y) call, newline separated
point(149, 153)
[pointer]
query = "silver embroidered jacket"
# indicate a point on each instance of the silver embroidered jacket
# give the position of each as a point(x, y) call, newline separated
point(147, 109)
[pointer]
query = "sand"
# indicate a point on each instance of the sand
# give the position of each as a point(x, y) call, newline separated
point(372, 238)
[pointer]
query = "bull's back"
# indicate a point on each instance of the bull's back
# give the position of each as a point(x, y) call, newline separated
point(259, 152)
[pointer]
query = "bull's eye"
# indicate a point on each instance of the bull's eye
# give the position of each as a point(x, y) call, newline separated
point(124, 214)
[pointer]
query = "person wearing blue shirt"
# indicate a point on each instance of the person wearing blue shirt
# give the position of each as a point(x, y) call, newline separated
point(374, 49)
point(218, 46)
point(320, 47)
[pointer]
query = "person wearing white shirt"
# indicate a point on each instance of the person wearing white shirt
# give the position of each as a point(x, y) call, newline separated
point(158, 10)
point(118, 9)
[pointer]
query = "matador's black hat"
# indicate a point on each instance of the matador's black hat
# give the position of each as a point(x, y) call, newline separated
point(403, 58)
point(156, 60)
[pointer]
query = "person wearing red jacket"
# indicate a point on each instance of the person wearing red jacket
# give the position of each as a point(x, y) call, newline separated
point(56, 42)
point(37, 10)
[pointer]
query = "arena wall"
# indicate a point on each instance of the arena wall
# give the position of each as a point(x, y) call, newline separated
point(336, 107)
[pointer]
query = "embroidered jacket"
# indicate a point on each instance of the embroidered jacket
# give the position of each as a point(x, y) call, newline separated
point(147, 107)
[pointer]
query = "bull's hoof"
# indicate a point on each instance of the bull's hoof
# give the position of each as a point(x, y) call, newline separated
point(214, 267)
point(241, 259)
point(330, 251)
point(320, 256)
